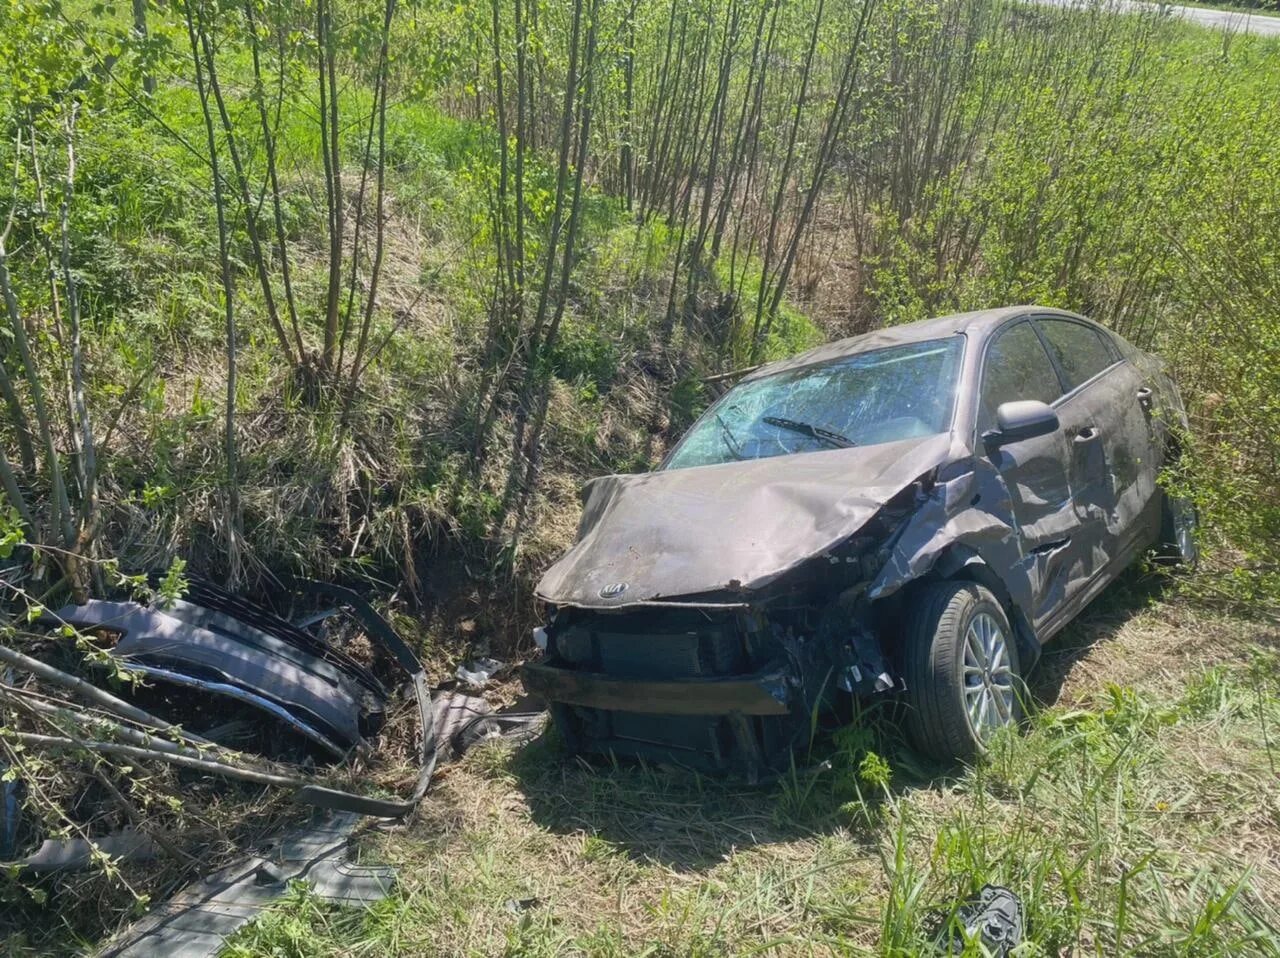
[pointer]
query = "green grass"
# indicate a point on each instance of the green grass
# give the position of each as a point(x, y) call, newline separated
point(1137, 815)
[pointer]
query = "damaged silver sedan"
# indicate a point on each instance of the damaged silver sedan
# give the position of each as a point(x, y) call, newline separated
point(913, 513)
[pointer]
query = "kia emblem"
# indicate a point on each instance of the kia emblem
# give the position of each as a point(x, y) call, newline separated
point(613, 590)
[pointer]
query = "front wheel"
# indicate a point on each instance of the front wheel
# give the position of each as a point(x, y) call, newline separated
point(961, 670)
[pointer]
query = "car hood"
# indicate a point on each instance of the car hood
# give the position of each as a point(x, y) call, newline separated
point(734, 526)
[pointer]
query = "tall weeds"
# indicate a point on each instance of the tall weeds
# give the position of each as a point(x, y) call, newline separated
point(868, 161)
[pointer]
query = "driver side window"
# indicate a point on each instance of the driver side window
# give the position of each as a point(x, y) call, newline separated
point(1017, 367)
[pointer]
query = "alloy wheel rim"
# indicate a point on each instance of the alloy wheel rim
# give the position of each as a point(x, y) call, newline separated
point(988, 676)
point(1184, 527)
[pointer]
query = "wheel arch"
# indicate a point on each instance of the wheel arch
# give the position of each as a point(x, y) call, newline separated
point(959, 562)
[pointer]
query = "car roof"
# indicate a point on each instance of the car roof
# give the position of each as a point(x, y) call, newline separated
point(978, 324)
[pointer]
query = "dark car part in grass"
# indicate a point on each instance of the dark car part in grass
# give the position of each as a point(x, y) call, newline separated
point(309, 699)
point(993, 917)
point(214, 642)
point(913, 512)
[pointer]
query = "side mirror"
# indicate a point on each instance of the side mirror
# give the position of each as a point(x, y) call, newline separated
point(1024, 419)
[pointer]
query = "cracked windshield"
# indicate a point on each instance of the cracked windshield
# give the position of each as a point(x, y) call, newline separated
point(884, 395)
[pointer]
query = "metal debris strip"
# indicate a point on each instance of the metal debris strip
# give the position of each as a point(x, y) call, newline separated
point(70, 854)
point(196, 922)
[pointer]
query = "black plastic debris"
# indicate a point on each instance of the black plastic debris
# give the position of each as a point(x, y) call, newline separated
point(992, 917)
point(462, 721)
point(518, 906)
point(196, 922)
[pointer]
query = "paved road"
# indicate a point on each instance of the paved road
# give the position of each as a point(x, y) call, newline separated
point(1213, 19)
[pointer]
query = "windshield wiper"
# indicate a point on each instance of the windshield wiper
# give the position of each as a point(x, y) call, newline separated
point(828, 436)
point(730, 441)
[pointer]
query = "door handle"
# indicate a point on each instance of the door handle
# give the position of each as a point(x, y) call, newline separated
point(1085, 434)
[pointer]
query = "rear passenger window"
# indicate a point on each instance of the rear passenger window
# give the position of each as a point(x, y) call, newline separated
point(1079, 349)
point(1017, 367)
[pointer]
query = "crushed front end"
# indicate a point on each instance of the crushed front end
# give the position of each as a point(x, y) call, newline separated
point(709, 617)
point(711, 688)
point(718, 687)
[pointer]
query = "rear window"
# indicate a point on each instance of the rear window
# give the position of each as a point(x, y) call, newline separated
point(1080, 350)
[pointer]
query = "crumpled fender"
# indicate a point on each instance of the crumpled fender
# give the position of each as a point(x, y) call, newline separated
point(962, 520)
point(953, 510)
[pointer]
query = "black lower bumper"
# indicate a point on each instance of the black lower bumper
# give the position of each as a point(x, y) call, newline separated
point(703, 688)
point(764, 693)
point(741, 724)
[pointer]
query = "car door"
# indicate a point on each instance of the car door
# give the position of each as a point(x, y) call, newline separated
point(1103, 416)
point(1036, 471)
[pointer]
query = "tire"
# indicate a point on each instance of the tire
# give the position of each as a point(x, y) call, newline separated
point(1179, 526)
point(944, 621)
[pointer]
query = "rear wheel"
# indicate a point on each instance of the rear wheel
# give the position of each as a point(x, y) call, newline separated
point(1179, 525)
point(961, 670)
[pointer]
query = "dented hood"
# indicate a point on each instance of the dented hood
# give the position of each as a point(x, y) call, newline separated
point(733, 526)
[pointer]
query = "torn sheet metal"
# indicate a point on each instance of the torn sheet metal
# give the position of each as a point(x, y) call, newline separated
point(197, 921)
point(730, 527)
point(969, 508)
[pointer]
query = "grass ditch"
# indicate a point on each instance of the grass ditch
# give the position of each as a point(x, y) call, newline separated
point(1136, 815)
point(1142, 192)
